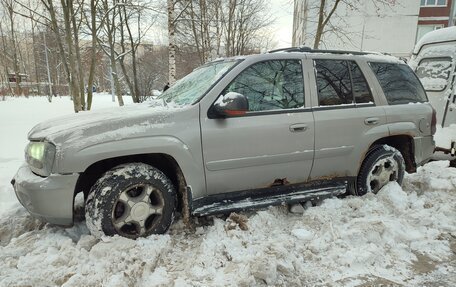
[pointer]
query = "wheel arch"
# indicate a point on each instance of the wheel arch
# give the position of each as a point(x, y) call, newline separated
point(164, 162)
point(404, 144)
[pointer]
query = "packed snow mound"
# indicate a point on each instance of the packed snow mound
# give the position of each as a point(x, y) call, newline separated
point(444, 136)
point(400, 236)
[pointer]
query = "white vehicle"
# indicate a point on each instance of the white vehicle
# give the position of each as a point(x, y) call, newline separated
point(434, 62)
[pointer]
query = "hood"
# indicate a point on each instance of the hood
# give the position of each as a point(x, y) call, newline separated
point(102, 125)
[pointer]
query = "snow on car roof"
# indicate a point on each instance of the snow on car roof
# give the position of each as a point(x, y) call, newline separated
point(367, 55)
point(440, 35)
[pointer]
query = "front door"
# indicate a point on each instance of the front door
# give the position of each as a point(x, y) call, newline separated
point(270, 144)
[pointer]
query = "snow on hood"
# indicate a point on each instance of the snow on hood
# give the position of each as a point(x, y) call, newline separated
point(111, 122)
point(440, 35)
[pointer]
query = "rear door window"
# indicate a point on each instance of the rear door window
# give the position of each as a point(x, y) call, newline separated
point(400, 85)
point(361, 89)
point(434, 73)
point(341, 82)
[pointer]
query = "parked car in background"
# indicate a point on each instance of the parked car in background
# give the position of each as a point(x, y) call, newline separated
point(288, 126)
point(434, 62)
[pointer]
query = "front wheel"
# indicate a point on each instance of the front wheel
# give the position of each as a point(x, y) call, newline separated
point(382, 165)
point(132, 200)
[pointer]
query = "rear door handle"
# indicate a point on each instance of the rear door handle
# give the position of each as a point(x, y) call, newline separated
point(298, 128)
point(371, 121)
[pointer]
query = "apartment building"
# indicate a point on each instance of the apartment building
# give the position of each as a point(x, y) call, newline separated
point(370, 26)
point(435, 14)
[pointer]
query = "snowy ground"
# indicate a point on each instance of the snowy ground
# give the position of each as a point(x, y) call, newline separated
point(403, 236)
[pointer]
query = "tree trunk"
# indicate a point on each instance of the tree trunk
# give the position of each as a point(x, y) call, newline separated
point(172, 45)
point(80, 78)
point(74, 85)
point(115, 77)
point(123, 52)
point(35, 54)
point(14, 50)
point(55, 28)
point(93, 53)
point(322, 21)
point(133, 47)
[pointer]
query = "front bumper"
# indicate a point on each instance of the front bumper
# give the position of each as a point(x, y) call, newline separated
point(47, 198)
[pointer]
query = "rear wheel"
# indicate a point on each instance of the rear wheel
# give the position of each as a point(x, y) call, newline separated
point(132, 200)
point(382, 165)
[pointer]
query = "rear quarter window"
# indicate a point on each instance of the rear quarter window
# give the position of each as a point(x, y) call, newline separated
point(400, 85)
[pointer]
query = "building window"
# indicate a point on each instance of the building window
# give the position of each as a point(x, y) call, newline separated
point(434, 3)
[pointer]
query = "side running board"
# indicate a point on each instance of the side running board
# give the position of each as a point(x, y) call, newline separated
point(244, 200)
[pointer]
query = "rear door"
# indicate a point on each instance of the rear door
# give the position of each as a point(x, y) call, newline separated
point(408, 111)
point(272, 143)
point(347, 119)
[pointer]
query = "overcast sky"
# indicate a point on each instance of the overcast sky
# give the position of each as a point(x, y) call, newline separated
point(282, 10)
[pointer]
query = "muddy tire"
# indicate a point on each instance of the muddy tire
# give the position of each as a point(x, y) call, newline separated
point(381, 165)
point(132, 200)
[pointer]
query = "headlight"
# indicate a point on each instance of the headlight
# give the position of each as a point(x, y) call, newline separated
point(40, 157)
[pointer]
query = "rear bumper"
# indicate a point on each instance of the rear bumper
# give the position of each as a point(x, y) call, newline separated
point(424, 149)
point(47, 198)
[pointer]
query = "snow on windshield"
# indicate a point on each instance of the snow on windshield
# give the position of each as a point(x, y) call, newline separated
point(434, 73)
point(190, 88)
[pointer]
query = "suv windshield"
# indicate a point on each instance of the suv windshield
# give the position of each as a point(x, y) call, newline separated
point(189, 89)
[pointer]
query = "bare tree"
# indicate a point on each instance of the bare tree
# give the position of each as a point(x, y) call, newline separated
point(12, 51)
point(109, 20)
point(208, 26)
point(93, 27)
point(171, 43)
point(329, 21)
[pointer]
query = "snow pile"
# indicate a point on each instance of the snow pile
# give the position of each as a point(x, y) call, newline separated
point(444, 136)
point(401, 236)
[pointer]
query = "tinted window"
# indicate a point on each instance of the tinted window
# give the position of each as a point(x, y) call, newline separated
point(361, 89)
point(434, 73)
point(399, 83)
point(333, 83)
point(271, 85)
point(339, 82)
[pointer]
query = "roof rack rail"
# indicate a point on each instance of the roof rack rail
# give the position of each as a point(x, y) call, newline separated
point(305, 49)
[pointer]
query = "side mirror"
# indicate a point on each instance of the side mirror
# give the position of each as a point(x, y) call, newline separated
point(229, 105)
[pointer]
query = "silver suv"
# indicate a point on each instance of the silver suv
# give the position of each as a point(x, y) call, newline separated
point(284, 127)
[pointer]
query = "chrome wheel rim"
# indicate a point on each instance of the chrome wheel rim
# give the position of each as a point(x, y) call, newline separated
point(138, 210)
point(384, 171)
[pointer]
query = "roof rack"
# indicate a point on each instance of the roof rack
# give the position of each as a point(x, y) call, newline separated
point(305, 49)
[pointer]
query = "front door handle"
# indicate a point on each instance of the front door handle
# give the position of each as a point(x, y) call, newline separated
point(298, 128)
point(371, 121)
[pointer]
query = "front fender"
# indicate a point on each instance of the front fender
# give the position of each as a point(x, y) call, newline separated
point(188, 157)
